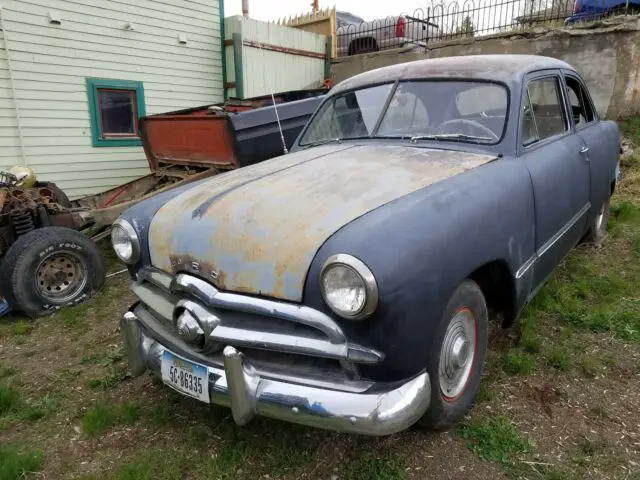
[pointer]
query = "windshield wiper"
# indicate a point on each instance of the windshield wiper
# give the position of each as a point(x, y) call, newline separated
point(324, 142)
point(337, 140)
point(449, 136)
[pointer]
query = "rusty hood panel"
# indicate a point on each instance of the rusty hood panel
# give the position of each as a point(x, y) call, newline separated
point(257, 229)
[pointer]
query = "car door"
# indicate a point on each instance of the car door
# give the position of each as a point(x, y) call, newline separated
point(591, 130)
point(554, 155)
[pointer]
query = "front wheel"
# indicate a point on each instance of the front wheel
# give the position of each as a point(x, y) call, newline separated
point(50, 268)
point(456, 360)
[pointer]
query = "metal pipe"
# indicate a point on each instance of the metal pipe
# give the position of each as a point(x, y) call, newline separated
point(245, 8)
point(13, 86)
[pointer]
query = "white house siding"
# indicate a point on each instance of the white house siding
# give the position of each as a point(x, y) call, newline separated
point(50, 65)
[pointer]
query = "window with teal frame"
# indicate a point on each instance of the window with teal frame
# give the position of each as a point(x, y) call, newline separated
point(114, 108)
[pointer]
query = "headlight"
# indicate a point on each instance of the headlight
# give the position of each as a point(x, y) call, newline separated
point(125, 241)
point(348, 287)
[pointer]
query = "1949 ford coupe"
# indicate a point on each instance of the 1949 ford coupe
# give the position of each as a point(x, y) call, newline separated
point(349, 284)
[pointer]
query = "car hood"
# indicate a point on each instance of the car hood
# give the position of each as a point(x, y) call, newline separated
point(257, 229)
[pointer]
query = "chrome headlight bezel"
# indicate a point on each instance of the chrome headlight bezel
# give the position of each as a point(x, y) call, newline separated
point(133, 238)
point(370, 285)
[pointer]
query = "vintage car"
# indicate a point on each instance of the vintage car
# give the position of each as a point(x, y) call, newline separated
point(349, 285)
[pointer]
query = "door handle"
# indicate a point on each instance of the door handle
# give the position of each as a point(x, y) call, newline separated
point(584, 150)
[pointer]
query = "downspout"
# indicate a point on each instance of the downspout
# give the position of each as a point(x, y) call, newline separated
point(224, 51)
point(13, 87)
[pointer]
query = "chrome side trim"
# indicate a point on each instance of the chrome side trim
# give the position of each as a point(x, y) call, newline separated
point(526, 266)
point(239, 386)
point(560, 233)
point(213, 297)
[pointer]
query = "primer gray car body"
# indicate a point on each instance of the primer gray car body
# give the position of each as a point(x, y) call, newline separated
point(242, 253)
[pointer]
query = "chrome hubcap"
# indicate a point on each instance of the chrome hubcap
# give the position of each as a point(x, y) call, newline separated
point(457, 353)
point(60, 276)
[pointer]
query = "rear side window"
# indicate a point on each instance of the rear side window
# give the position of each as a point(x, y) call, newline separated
point(581, 109)
point(542, 111)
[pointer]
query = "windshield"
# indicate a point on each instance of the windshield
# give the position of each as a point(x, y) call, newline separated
point(448, 110)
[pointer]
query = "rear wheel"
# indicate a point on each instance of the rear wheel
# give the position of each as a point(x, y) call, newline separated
point(456, 360)
point(50, 268)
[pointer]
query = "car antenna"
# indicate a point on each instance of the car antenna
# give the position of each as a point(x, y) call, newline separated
point(273, 100)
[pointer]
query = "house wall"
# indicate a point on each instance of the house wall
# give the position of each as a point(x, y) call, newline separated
point(607, 56)
point(50, 65)
point(266, 71)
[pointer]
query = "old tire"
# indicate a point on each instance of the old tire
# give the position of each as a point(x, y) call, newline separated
point(50, 268)
point(456, 360)
point(598, 228)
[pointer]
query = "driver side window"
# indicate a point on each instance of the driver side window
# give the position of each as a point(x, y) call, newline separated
point(581, 109)
point(543, 114)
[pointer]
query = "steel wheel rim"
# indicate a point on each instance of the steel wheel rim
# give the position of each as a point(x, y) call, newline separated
point(60, 276)
point(457, 354)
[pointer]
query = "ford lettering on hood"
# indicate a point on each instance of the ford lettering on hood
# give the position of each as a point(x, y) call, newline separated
point(256, 230)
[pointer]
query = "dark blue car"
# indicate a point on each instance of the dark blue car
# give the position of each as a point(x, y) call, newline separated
point(589, 10)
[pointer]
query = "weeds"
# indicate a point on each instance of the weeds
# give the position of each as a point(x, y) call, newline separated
point(560, 359)
point(373, 468)
point(589, 366)
point(10, 400)
point(100, 418)
point(22, 327)
point(496, 440)
point(114, 375)
point(516, 362)
point(18, 464)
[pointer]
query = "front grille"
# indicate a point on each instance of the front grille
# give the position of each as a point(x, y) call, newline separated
point(277, 335)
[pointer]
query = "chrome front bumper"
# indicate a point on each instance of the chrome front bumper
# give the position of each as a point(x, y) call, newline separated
point(237, 384)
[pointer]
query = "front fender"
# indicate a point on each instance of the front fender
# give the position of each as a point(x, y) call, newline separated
point(421, 247)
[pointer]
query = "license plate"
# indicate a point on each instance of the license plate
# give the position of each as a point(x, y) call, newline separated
point(185, 376)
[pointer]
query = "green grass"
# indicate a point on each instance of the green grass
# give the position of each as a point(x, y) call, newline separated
point(16, 463)
point(516, 362)
point(6, 372)
point(14, 407)
point(114, 375)
point(10, 400)
point(560, 359)
point(369, 467)
point(160, 465)
point(72, 316)
point(496, 440)
point(99, 418)
point(589, 366)
point(22, 327)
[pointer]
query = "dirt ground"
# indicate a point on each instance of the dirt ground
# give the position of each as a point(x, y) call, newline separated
point(560, 397)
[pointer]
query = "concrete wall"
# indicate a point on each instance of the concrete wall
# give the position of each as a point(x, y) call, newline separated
point(606, 54)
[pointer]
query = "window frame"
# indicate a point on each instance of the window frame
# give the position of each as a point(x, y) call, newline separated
point(524, 97)
point(98, 138)
point(587, 97)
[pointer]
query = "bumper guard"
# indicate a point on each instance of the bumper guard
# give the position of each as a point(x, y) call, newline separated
point(237, 385)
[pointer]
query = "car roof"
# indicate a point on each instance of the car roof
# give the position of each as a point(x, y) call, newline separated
point(500, 68)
